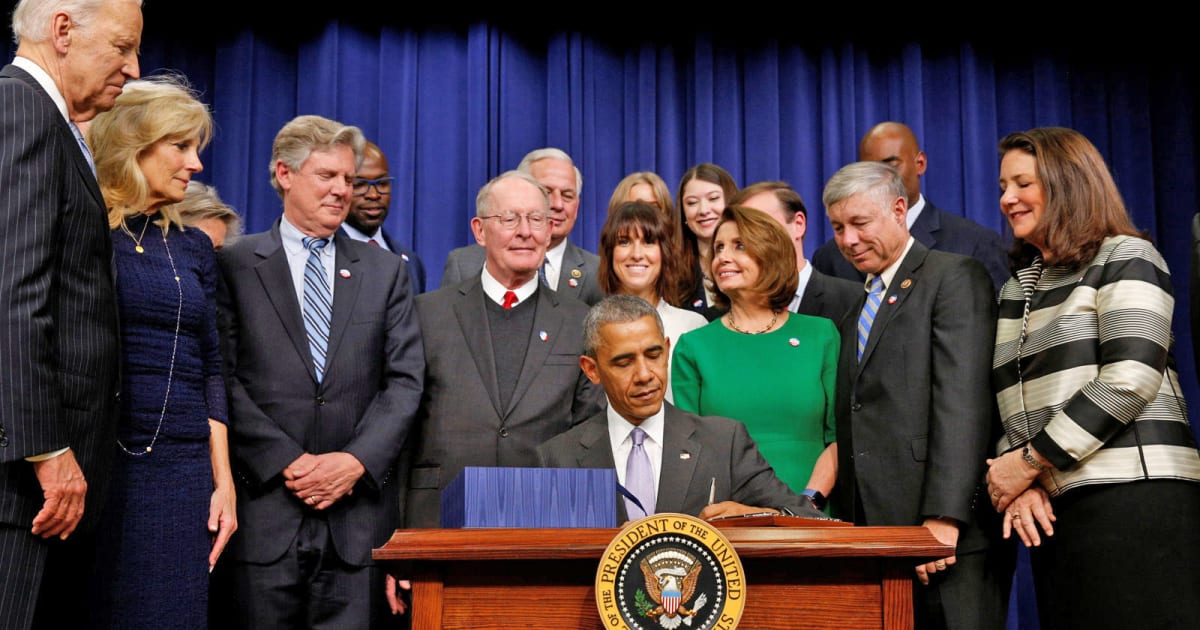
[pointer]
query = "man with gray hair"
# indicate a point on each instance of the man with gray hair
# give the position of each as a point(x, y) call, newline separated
point(914, 405)
point(58, 339)
point(324, 369)
point(567, 268)
point(704, 466)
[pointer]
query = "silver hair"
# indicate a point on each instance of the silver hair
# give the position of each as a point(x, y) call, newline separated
point(615, 309)
point(201, 202)
point(304, 134)
point(483, 201)
point(31, 18)
point(551, 153)
point(880, 180)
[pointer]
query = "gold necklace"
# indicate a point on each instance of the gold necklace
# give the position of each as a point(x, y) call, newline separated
point(733, 324)
point(137, 240)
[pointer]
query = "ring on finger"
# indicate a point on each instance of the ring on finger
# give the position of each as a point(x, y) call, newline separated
point(312, 499)
point(1016, 516)
point(995, 494)
point(940, 564)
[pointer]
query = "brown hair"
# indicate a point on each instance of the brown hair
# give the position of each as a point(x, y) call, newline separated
point(1082, 203)
point(769, 245)
point(787, 196)
point(689, 248)
point(627, 220)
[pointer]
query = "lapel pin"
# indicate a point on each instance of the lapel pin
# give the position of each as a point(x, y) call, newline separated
point(685, 455)
point(345, 273)
point(404, 257)
point(577, 274)
point(794, 342)
point(543, 336)
point(698, 303)
point(907, 283)
point(891, 299)
point(573, 282)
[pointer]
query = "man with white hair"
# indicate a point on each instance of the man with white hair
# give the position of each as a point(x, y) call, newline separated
point(58, 331)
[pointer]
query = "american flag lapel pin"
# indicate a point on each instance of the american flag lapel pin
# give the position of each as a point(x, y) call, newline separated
point(543, 336)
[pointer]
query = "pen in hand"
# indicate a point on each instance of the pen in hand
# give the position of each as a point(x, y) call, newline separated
point(712, 491)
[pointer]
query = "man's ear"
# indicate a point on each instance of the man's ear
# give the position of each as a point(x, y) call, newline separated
point(590, 368)
point(477, 230)
point(61, 26)
point(283, 175)
point(800, 225)
point(920, 162)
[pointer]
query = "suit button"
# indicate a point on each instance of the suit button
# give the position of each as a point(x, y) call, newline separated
point(856, 407)
point(503, 432)
point(320, 401)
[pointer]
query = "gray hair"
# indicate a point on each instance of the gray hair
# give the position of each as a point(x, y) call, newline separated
point(31, 18)
point(483, 201)
point(615, 309)
point(201, 202)
point(880, 180)
point(551, 153)
point(305, 134)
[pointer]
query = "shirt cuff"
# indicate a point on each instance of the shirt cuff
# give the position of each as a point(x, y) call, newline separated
point(44, 456)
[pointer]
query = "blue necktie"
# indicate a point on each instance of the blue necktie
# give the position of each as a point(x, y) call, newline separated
point(867, 317)
point(318, 303)
point(639, 476)
point(542, 273)
point(87, 152)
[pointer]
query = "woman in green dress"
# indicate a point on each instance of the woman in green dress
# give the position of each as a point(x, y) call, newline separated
point(759, 363)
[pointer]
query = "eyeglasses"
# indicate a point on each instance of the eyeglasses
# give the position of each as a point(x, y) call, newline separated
point(510, 220)
point(383, 185)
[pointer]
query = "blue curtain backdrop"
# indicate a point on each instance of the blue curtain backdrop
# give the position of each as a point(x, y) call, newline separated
point(456, 99)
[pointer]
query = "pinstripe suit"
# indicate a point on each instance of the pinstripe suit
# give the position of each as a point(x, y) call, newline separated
point(58, 334)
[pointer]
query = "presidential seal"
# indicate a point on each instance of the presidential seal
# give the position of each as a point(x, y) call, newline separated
point(670, 571)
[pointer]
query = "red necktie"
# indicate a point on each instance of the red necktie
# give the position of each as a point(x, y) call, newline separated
point(510, 298)
point(372, 241)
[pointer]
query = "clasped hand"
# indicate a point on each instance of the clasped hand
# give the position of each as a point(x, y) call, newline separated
point(321, 480)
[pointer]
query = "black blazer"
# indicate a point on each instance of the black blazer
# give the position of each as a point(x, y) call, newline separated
point(829, 297)
point(416, 268)
point(364, 405)
point(59, 338)
point(940, 231)
point(696, 450)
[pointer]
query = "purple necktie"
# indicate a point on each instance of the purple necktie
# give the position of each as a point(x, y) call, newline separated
point(639, 477)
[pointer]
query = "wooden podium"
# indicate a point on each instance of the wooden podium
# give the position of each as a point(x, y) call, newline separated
point(799, 574)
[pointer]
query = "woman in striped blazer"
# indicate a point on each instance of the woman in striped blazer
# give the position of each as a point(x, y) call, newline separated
point(1098, 471)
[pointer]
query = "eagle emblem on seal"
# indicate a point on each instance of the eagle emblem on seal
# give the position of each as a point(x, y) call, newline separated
point(671, 576)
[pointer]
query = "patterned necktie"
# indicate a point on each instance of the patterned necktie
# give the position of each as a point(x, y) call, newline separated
point(542, 273)
point(639, 477)
point(867, 317)
point(87, 152)
point(510, 298)
point(318, 303)
point(372, 241)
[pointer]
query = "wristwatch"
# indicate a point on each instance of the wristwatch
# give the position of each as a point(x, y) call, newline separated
point(1027, 455)
point(818, 499)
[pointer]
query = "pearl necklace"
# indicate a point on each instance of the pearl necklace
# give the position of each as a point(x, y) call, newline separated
point(769, 326)
point(174, 344)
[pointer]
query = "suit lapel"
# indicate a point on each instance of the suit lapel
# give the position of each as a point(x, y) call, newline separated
point(547, 324)
point(680, 453)
point(895, 297)
point(80, 162)
point(345, 296)
point(276, 277)
point(471, 312)
point(572, 269)
point(927, 226)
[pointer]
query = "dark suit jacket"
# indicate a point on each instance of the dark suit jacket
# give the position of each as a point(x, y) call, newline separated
point(364, 405)
point(829, 297)
point(59, 338)
point(416, 268)
point(696, 450)
point(578, 264)
point(940, 231)
point(916, 416)
point(460, 421)
point(1194, 291)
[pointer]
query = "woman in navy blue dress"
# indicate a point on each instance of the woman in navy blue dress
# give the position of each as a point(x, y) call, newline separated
point(171, 509)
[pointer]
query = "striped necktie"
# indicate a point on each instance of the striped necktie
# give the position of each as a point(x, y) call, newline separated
point(83, 146)
point(870, 309)
point(318, 303)
point(542, 272)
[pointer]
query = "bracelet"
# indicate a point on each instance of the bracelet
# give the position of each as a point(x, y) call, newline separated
point(1027, 455)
